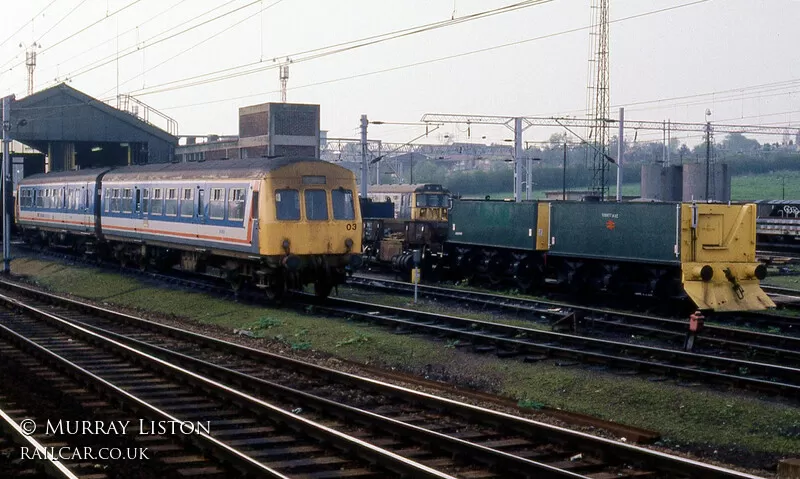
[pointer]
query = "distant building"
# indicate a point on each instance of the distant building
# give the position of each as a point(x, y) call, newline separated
point(265, 130)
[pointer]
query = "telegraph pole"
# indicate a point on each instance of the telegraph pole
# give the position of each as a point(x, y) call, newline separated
point(6, 193)
point(364, 165)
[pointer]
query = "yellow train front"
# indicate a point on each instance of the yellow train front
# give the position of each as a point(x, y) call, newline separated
point(410, 217)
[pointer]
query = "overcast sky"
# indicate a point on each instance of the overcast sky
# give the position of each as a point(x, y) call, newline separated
point(742, 51)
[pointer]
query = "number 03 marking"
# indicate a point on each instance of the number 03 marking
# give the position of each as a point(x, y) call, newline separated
point(352, 226)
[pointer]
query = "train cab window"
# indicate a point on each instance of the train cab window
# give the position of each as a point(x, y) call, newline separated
point(342, 202)
point(287, 204)
point(146, 200)
point(424, 200)
point(316, 205)
point(171, 202)
point(187, 203)
point(158, 202)
point(236, 204)
point(254, 206)
point(127, 200)
point(216, 204)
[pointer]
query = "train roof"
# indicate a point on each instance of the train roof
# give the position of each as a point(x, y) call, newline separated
point(249, 168)
point(246, 168)
point(418, 188)
point(76, 176)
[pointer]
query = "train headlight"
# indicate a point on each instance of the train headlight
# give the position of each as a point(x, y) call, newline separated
point(285, 246)
point(348, 243)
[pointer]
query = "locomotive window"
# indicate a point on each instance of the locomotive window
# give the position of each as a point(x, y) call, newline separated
point(254, 207)
point(316, 205)
point(127, 197)
point(158, 202)
point(216, 204)
point(430, 200)
point(342, 201)
point(146, 200)
point(236, 204)
point(171, 202)
point(287, 204)
point(187, 202)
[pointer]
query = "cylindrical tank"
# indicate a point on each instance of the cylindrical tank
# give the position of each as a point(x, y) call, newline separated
point(694, 182)
point(651, 182)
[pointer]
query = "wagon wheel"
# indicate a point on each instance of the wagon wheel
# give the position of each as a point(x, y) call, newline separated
point(322, 288)
point(525, 274)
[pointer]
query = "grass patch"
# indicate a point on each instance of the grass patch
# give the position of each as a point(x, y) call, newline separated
point(682, 414)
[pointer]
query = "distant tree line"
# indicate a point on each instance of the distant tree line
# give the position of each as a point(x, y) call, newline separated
point(743, 155)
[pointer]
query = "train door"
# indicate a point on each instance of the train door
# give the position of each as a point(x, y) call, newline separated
point(137, 202)
point(201, 204)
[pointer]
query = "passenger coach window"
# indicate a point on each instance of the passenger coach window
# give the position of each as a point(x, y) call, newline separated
point(216, 204)
point(342, 204)
point(187, 203)
point(316, 205)
point(236, 204)
point(146, 200)
point(158, 201)
point(172, 202)
point(287, 204)
point(115, 200)
point(127, 200)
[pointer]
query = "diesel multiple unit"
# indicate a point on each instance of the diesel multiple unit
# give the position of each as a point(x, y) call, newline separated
point(277, 224)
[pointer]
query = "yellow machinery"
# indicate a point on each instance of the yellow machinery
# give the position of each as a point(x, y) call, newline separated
point(718, 257)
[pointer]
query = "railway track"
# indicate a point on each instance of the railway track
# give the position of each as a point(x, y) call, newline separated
point(431, 429)
point(256, 437)
point(13, 438)
point(584, 320)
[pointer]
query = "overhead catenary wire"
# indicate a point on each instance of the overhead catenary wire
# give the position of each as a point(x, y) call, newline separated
point(324, 51)
point(27, 23)
point(419, 63)
point(49, 47)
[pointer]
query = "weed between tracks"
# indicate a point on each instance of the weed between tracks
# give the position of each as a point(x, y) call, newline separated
point(737, 428)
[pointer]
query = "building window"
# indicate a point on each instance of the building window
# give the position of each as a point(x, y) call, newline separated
point(216, 204)
point(171, 202)
point(342, 202)
point(236, 204)
point(287, 204)
point(187, 202)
